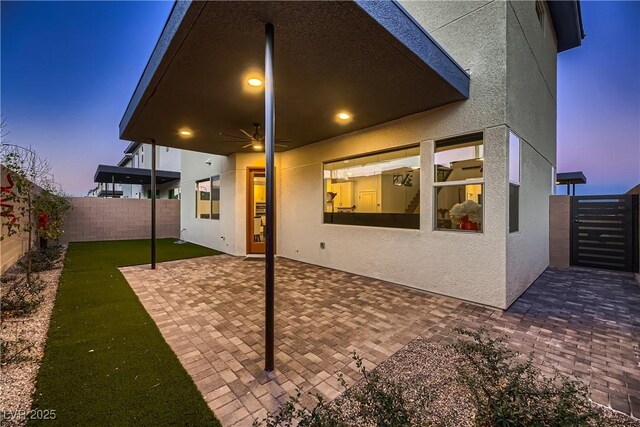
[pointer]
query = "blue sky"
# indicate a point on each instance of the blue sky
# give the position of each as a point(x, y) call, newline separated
point(69, 68)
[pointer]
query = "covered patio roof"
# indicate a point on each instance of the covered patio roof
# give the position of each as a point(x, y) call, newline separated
point(124, 175)
point(369, 59)
point(563, 178)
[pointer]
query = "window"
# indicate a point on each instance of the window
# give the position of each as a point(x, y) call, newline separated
point(208, 198)
point(215, 197)
point(514, 182)
point(149, 194)
point(459, 183)
point(174, 193)
point(378, 190)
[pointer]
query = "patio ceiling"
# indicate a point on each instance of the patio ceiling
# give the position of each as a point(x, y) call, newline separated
point(125, 175)
point(370, 59)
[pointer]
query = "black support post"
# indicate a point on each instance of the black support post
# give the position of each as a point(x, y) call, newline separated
point(269, 144)
point(113, 187)
point(153, 204)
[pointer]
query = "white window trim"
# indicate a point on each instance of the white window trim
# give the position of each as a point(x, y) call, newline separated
point(510, 182)
point(434, 194)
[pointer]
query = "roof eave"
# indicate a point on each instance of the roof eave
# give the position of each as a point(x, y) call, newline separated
point(566, 16)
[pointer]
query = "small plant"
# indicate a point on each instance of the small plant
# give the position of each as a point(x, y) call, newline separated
point(14, 351)
point(293, 413)
point(20, 297)
point(508, 392)
point(379, 401)
point(42, 259)
point(376, 401)
point(51, 206)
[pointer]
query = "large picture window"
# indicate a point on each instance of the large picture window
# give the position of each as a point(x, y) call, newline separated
point(379, 190)
point(459, 183)
point(208, 198)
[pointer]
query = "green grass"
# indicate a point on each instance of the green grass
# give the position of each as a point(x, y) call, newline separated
point(105, 361)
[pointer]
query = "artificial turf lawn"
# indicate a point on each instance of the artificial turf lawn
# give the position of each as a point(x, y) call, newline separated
point(105, 361)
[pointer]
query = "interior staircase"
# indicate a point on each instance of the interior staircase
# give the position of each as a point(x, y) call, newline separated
point(413, 204)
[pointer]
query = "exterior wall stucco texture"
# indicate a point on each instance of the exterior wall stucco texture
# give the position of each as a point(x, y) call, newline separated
point(469, 266)
point(531, 114)
point(96, 218)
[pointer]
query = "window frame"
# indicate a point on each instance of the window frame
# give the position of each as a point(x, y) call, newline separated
point(512, 183)
point(211, 179)
point(387, 218)
point(218, 179)
point(467, 137)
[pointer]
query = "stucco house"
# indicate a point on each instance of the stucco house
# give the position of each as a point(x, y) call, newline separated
point(416, 141)
point(131, 177)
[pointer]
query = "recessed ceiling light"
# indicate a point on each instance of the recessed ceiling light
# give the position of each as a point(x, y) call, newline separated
point(255, 82)
point(344, 115)
point(257, 147)
point(185, 133)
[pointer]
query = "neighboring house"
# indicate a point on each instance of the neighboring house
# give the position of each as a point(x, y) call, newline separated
point(396, 116)
point(130, 178)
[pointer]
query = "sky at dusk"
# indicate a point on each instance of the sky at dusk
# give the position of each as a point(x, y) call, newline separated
point(68, 70)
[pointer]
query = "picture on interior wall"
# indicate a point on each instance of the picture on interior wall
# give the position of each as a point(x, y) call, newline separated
point(378, 190)
point(459, 183)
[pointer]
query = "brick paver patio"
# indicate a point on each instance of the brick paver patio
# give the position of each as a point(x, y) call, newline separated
point(210, 311)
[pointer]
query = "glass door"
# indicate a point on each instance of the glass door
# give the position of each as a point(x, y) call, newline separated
point(256, 211)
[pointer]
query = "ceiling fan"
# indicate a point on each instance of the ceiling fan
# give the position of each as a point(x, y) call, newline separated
point(255, 140)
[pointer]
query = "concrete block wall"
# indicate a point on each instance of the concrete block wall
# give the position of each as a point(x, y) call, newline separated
point(14, 246)
point(11, 249)
point(560, 231)
point(94, 219)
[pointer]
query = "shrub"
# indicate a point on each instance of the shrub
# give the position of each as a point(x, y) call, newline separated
point(508, 392)
point(20, 296)
point(293, 413)
point(42, 259)
point(377, 401)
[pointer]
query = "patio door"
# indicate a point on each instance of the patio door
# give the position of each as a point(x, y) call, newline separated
point(256, 210)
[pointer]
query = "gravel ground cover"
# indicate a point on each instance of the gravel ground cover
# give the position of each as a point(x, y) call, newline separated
point(424, 367)
point(17, 379)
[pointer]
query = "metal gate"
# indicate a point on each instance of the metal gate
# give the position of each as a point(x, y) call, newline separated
point(604, 233)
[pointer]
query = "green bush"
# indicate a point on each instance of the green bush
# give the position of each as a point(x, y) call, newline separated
point(376, 401)
point(509, 392)
point(42, 259)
